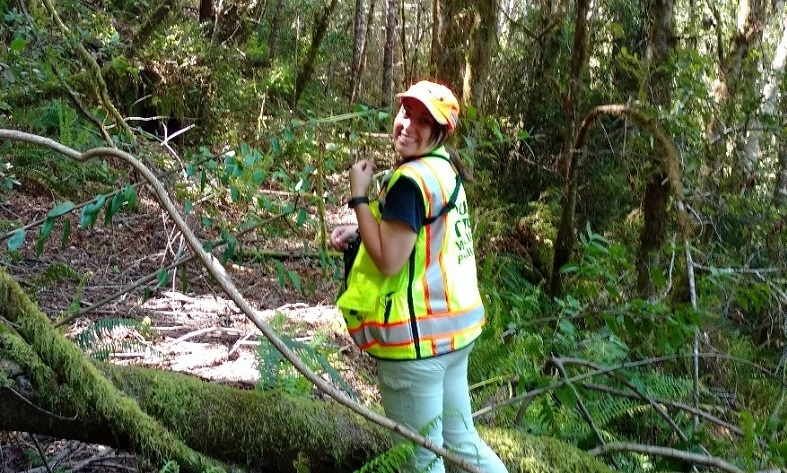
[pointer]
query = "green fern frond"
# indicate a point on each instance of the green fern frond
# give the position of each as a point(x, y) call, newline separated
point(106, 337)
point(390, 461)
point(276, 372)
point(610, 409)
point(58, 272)
point(170, 467)
point(42, 176)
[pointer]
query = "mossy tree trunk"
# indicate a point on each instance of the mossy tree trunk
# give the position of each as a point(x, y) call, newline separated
point(661, 31)
point(48, 387)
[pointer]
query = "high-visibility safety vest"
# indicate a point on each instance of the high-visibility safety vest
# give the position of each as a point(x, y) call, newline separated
point(432, 306)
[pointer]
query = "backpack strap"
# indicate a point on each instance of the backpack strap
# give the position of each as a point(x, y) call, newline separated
point(451, 202)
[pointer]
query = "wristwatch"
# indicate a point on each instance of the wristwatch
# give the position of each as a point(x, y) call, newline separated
point(356, 201)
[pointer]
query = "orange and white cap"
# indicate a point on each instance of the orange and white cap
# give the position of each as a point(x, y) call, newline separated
point(438, 99)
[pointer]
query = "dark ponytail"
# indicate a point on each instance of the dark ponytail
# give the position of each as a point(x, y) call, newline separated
point(439, 135)
point(456, 160)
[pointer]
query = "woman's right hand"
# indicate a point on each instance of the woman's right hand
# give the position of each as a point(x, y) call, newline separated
point(342, 235)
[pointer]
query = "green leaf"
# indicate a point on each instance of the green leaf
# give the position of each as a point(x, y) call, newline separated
point(569, 268)
point(296, 281)
point(163, 278)
point(66, 233)
point(279, 272)
point(90, 212)
point(43, 234)
point(18, 44)
point(187, 206)
point(234, 194)
point(275, 145)
point(566, 396)
point(46, 228)
point(130, 196)
point(257, 176)
point(566, 327)
point(60, 209)
point(17, 239)
point(302, 215)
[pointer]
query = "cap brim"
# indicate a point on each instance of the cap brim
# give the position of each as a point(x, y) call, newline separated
point(439, 118)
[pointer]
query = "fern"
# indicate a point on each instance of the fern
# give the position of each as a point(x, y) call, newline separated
point(170, 467)
point(390, 461)
point(58, 272)
point(275, 372)
point(41, 175)
point(103, 337)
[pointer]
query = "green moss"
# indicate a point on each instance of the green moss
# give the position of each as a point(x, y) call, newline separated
point(528, 454)
point(93, 395)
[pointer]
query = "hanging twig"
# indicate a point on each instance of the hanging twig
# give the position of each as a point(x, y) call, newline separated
point(218, 272)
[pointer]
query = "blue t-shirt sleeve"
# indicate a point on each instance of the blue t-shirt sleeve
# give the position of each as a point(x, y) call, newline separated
point(404, 202)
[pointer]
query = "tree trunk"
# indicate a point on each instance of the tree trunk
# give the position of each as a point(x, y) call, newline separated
point(273, 36)
point(661, 33)
point(450, 24)
point(359, 46)
point(388, 51)
point(362, 63)
point(483, 42)
point(757, 165)
point(564, 243)
point(206, 10)
point(731, 82)
point(48, 387)
point(320, 28)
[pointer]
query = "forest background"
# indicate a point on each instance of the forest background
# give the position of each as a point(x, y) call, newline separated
point(630, 206)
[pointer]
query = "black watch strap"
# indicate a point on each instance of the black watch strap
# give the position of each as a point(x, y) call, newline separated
point(355, 201)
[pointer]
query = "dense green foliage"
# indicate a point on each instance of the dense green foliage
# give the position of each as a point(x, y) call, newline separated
point(250, 167)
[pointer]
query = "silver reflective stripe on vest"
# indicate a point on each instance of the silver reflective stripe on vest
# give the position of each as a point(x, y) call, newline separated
point(433, 328)
point(436, 233)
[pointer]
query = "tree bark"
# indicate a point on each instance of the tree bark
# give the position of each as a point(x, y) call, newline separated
point(362, 60)
point(206, 11)
point(661, 34)
point(483, 39)
point(388, 52)
point(359, 45)
point(751, 16)
point(273, 36)
point(451, 23)
point(564, 241)
point(320, 28)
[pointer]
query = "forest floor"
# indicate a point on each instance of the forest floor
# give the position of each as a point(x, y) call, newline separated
point(196, 329)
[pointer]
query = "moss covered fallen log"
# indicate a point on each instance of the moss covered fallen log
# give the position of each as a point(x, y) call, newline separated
point(48, 387)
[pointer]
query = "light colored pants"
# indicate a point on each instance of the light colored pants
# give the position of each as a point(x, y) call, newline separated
point(431, 396)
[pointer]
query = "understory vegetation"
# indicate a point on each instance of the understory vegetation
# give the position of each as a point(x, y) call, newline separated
point(657, 346)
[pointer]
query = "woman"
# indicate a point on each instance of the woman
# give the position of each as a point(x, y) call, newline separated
point(412, 296)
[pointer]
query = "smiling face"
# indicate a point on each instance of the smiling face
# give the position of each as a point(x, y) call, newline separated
point(413, 129)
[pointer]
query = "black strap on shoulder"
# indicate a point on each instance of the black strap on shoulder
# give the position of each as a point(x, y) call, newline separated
point(451, 202)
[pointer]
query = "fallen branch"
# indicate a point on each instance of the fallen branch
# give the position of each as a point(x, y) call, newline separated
point(666, 452)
